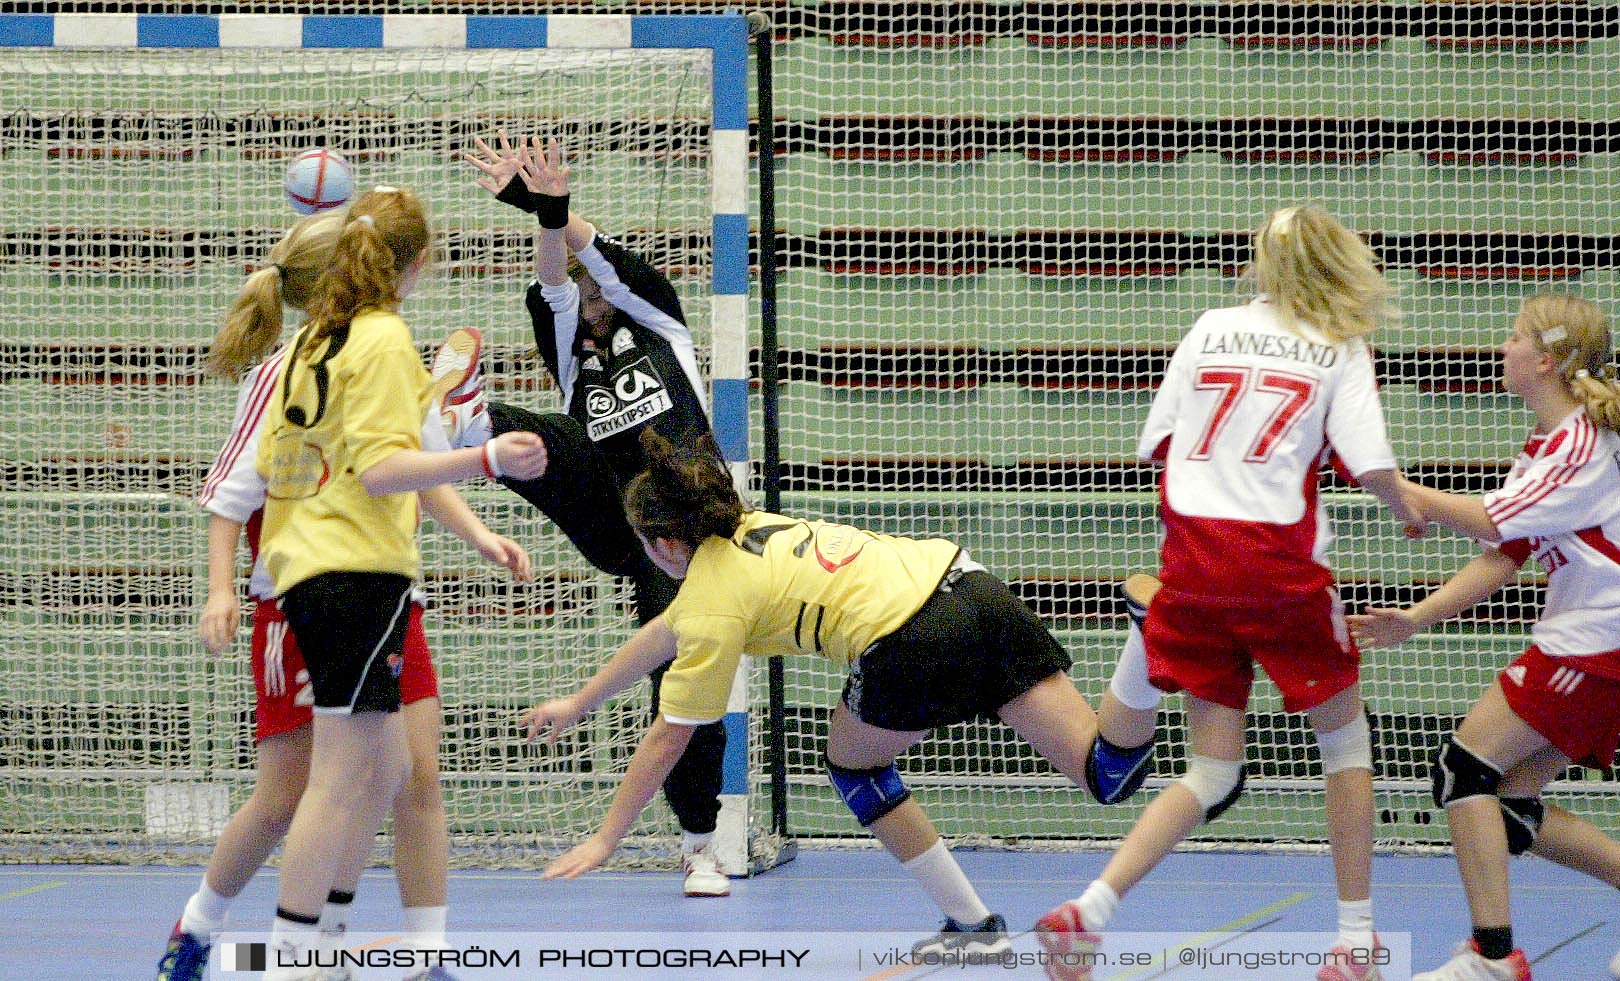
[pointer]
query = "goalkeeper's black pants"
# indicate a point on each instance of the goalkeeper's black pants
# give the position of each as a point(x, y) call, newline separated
point(581, 496)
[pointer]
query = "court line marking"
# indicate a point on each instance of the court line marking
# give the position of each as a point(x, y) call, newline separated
point(1560, 945)
point(30, 890)
point(1172, 968)
point(1234, 926)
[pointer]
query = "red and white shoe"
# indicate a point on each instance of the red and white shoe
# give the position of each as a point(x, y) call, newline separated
point(458, 383)
point(1469, 965)
point(1347, 964)
point(1070, 948)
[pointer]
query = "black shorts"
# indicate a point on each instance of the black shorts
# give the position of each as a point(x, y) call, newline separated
point(972, 648)
point(351, 628)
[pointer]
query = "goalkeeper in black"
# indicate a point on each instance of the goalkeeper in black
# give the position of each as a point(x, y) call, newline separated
point(611, 332)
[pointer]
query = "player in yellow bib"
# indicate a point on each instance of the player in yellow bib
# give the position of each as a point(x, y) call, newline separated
point(930, 638)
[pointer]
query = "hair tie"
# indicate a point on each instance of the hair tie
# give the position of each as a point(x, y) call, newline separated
point(367, 221)
point(385, 189)
point(1554, 334)
point(1582, 373)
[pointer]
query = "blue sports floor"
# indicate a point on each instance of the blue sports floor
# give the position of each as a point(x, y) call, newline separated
point(75, 923)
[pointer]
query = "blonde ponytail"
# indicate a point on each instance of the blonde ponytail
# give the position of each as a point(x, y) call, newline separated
point(253, 324)
point(1320, 275)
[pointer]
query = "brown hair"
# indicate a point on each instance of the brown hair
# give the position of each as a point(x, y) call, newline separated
point(685, 495)
point(386, 230)
point(1319, 273)
point(253, 324)
point(1575, 333)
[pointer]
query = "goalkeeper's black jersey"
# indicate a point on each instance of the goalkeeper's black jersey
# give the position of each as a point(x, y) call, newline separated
point(648, 374)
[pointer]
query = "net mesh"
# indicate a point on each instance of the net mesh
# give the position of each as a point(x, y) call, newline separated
point(997, 219)
point(140, 187)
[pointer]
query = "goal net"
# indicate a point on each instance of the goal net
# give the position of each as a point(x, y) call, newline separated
point(141, 186)
point(1000, 218)
point(996, 219)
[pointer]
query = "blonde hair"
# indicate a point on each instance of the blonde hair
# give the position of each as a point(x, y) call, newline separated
point(1575, 334)
point(1320, 274)
point(253, 325)
point(386, 230)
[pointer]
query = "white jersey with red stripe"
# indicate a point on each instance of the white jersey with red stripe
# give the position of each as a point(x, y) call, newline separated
point(1243, 420)
point(235, 489)
point(1561, 504)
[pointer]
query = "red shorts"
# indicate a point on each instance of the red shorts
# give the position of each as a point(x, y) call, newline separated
point(1210, 648)
point(1575, 710)
point(282, 685)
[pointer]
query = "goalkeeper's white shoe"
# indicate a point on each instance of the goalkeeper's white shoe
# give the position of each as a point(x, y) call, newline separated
point(458, 385)
point(703, 876)
point(1468, 965)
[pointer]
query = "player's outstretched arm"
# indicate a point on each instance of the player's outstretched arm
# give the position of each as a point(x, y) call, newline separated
point(657, 755)
point(1474, 582)
point(222, 613)
point(1462, 514)
point(646, 649)
point(1397, 494)
point(519, 455)
point(447, 507)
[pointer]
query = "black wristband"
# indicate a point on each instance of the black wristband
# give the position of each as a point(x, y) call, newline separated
point(518, 195)
point(552, 210)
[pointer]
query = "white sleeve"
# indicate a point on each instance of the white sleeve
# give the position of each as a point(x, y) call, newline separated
point(234, 489)
point(1568, 489)
point(564, 303)
point(1161, 420)
point(1355, 418)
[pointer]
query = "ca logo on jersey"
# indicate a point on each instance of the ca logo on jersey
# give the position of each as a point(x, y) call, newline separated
point(633, 394)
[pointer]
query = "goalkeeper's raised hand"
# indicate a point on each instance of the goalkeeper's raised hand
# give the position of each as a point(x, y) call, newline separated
point(502, 166)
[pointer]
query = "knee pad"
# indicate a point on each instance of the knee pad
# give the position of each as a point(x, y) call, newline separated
point(1114, 773)
point(1348, 747)
point(1459, 774)
point(1216, 783)
point(870, 794)
point(1521, 816)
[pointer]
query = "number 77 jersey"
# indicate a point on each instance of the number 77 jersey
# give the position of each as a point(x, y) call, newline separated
point(1242, 422)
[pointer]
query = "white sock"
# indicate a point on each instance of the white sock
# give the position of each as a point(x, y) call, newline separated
point(694, 842)
point(1130, 682)
point(1097, 904)
point(290, 943)
point(425, 926)
point(1355, 923)
point(944, 882)
point(335, 917)
point(205, 911)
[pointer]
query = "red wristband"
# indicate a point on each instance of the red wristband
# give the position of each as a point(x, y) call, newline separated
point(492, 469)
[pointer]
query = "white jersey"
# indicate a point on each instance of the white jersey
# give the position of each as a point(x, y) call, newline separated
point(1243, 420)
point(1561, 503)
point(235, 489)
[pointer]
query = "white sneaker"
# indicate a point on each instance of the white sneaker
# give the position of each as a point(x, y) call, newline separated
point(1468, 965)
point(458, 383)
point(703, 875)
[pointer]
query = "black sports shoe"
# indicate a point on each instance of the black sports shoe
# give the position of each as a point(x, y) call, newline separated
point(955, 942)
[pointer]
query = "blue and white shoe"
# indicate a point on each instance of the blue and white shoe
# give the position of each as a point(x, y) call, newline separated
point(185, 959)
point(958, 941)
